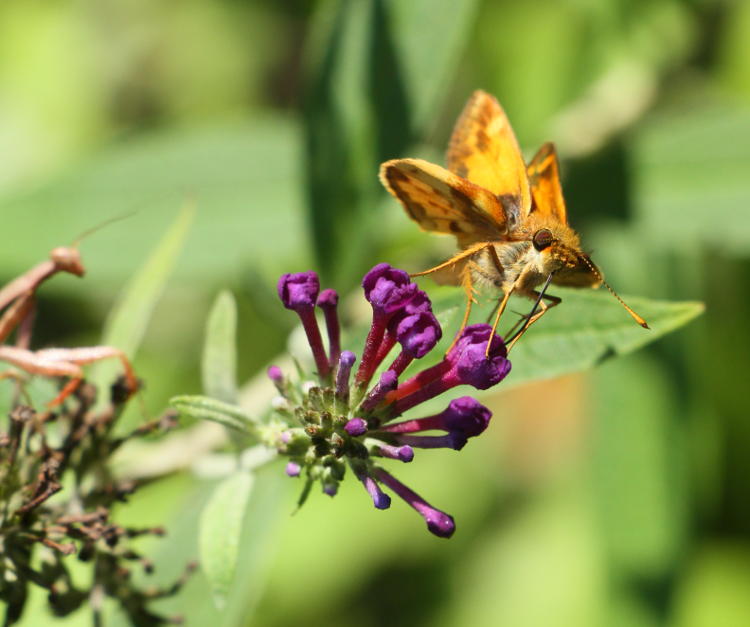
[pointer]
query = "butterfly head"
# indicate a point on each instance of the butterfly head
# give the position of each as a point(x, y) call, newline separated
point(570, 265)
point(558, 250)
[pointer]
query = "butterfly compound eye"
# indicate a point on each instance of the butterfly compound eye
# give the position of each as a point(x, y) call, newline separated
point(542, 239)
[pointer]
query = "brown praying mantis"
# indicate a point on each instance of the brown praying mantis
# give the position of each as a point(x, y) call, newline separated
point(17, 300)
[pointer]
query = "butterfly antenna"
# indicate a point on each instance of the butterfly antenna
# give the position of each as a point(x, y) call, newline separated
point(598, 274)
point(101, 225)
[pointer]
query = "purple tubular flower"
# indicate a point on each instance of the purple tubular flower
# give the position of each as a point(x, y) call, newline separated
point(346, 361)
point(388, 290)
point(415, 328)
point(419, 302)
point(387, 383)
point(386, 344)
point(356, 426)
point(474, 364)
point(379, 498)
point(438, 523)
point(455, 440)
point(328, 301)
point(463, 415)
point(401, 453)
point(418, 333)
point(401, 362)
point(299, 292)
point(465, 363)
point(324, 430)
point(466, 414)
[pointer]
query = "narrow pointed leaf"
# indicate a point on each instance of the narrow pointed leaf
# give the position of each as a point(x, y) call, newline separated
point(219, 364)
point(205, 408)
point(429, 37)
point(129, 317)
point(378, 72)
point(127, 321)
point(220, 533)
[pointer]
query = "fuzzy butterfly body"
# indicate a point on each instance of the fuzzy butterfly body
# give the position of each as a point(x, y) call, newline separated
point(509, 218)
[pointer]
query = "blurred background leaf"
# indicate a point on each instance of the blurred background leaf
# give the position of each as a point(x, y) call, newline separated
point(219, 363)
point(153, 174)
point(129, 317)
point(220, 532)
point(690, 180)
point(377, 72)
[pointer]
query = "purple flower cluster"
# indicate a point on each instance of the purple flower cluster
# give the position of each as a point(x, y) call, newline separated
point(339, 422)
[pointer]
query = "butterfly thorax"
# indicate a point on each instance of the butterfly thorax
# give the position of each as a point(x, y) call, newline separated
point(530, 254)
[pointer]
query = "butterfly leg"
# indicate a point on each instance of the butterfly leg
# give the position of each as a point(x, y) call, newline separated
point(503, 302)
point(533, 317)
point(468, 284)
point(466, 277)
point(499, 313)
point(464, 254)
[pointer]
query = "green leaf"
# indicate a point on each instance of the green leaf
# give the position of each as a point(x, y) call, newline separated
point(378, 73)
point(590, 327)
point(129, 317)
point(219, 363)
point(244, 175)
point(173, 502)
point(548, 544)
point(712, 589)
point(339, 130)
point(690, 179)
point(429, 37)
point(205, 408)
point(587, 328)
point(637, 451)
point(220, 531)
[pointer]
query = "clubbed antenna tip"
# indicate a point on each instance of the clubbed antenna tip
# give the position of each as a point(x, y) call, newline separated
point(629, 309)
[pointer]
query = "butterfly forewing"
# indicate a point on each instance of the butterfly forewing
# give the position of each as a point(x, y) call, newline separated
point(443, 202)
point(544, 178)
point(484, 150)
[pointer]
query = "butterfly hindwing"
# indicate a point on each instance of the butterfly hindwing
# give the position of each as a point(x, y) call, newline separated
point(544, 178)
point(442, 202)
point(484, 150)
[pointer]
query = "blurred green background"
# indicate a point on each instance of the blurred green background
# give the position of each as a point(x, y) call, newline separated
point(614, 497)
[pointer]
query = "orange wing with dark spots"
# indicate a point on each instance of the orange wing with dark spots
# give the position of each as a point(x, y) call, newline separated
point(443, 202)
point(544, 178)
point(484, 150)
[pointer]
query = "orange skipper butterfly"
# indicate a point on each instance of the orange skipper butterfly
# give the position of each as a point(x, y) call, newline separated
point(509, 218)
